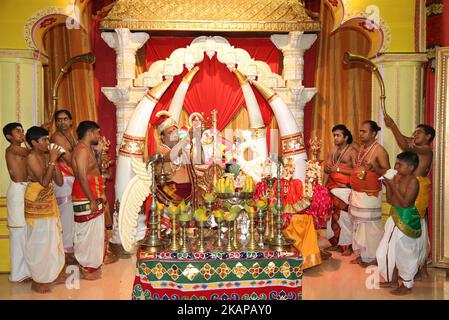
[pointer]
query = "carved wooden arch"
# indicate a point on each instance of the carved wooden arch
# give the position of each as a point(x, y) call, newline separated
point(195, 52)
point(43, 20)
point(378, 32)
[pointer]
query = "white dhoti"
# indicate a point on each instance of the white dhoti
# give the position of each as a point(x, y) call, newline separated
point(17, 231)
point(368, 229)
point(89, 237)
point(44, 249)
point(423, 243)
point(400, 250)
point(64, 198)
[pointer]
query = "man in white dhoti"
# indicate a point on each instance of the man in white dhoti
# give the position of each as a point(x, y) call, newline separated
point(87, 197)
point(16, 162)
point(338, 169)
point(44, 252)
point(365, 200)
point(64, 138)
point(399, 252)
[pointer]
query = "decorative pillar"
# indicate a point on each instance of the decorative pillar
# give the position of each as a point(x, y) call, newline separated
point(124, 95)
point(295, 94)
point(403, 77)
point(21, 100)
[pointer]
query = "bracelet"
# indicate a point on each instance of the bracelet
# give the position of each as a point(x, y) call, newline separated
point(109, 227)
point(51, 163)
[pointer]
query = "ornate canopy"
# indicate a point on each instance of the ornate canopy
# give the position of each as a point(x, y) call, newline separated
point(206, 15)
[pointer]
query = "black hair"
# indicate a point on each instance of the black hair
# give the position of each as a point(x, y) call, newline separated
point(346, 132)
point(85, 126)
point(9, 128)
point(409, 158)
point(67, 112)
point(373, 125)
point(35, 133)
point(428, 130)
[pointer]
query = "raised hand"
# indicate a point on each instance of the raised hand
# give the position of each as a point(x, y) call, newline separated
point(55, 152)
point(388, 121)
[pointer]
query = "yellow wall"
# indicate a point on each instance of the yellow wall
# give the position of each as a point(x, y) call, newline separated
point(400, 17)
point(13, 16)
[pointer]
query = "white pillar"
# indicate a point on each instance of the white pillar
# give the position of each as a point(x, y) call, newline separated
point(295, 94)
point(403, 76)
point(124, 95)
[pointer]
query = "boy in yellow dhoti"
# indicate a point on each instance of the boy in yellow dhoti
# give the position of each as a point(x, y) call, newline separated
point(420, 143)
point(44, 252)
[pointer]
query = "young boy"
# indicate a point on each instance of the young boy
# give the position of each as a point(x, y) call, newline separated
point(16, 162)
point(44, 250)
point(398, 251)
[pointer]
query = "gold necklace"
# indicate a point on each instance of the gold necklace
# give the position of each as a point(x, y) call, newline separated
point(341, 155)
point(364, 152)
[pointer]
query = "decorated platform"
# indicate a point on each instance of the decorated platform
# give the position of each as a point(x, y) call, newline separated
point(239, 275)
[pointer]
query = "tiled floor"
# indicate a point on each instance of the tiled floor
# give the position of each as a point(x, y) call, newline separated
point(336, 278)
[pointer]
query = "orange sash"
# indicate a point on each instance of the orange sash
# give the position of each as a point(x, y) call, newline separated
point(370, 185)
point(64, 168)
point(96, 187)
point(336, 178)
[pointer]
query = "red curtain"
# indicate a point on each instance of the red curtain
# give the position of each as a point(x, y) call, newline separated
point(104, 76)
point(310, 62)
point(214, 86)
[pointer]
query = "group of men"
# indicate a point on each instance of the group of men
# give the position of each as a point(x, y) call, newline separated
point(56, 199)
point(354, 174)
point(56, 202)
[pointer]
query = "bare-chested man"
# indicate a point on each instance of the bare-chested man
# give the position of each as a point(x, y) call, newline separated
point(365, 201)
point(16, 162)
point(420, 143)
point(63, 137)
point(398, 252)
point(44, 251)
point(87, 197)
point(338, 169)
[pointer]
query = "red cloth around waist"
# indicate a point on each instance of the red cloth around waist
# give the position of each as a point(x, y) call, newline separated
point(96, 188)
point(371, 184)
point(336, 178)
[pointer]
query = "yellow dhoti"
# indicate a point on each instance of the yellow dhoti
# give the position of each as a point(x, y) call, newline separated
point(301, 230)
point(422, 201)
point(44, 252)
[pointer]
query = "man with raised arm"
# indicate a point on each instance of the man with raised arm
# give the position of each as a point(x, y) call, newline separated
point(420, 143)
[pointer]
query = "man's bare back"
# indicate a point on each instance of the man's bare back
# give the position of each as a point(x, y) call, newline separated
point(16, 162)
point(407, 187)
point(84, 162)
